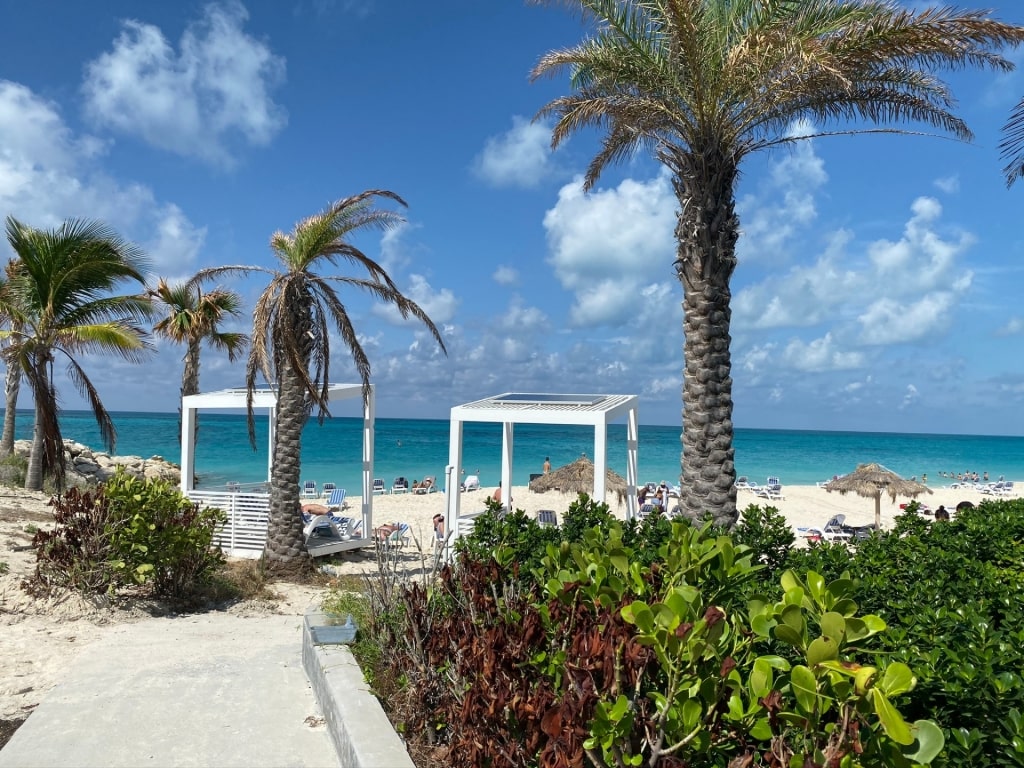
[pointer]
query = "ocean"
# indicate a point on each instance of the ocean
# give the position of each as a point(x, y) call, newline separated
point(415, 448)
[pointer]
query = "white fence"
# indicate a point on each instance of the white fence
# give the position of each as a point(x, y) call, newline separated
point(245, 532)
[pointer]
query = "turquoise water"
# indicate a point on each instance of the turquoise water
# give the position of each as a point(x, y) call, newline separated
point(415, 448)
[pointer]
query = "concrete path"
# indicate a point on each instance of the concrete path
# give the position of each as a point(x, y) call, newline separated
point(207, 690)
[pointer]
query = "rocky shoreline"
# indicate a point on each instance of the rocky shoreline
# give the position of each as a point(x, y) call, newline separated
point(88, 468)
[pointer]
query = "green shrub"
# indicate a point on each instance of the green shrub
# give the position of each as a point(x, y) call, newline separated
point(766, 533)
point(128, 532)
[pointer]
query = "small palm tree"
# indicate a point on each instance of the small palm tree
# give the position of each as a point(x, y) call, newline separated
point(62, 294)
point(291, 339)
point(192, 317)
point(12, 376)
point(701, 84)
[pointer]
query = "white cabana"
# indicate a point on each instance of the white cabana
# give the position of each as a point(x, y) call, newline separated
point(243, 508)
point(523, 408)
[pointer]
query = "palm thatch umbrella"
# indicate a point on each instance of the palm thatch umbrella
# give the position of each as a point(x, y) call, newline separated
point(578, 477)
point(871, 480)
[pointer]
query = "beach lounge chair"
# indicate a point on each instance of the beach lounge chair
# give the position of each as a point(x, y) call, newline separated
point(427, 486)
point(393, 536)
point(742, 482)
point(547, 517)
point(336, 501)
point(327, 490)
point(309, 490)
point(378, 485)
point(401, 485)
point(772, 490)
point(471, 483)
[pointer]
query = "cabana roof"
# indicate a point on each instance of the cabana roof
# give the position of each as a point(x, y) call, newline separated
point(511, 408)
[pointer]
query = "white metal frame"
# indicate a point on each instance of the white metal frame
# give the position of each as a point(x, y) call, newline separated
point(591, 410)
point(235, 399)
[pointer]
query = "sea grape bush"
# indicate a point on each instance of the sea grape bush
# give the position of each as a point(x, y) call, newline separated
point(659, 664)
point(127, 533)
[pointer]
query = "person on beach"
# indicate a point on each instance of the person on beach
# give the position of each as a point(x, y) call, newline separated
point(547, 464)
point(941, 513)
point(439, 526)
point(497, 493)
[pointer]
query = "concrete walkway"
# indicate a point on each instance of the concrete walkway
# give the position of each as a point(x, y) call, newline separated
point(206, 690)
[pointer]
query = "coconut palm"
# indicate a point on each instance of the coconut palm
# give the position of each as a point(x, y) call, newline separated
point(701, 84)
point(12, 376)
point(194, 316)
point(291, 338)
point(1012, 145)
point(62, 292)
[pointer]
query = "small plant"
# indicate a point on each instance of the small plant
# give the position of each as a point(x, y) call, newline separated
point(766, 533)
point(4, 568)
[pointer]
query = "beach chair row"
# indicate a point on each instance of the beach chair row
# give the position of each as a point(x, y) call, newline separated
point(400, 485)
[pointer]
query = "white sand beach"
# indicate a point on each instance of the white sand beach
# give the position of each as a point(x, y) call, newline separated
point(39, 639)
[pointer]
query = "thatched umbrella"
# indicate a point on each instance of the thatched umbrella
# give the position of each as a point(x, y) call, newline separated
point(578, 477)
point(871, 480)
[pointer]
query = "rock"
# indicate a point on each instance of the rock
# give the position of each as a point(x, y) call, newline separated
point(86, 467)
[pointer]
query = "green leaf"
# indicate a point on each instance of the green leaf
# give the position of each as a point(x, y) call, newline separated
point(805, 687)
point(833, 625)
point(896, 679)
point(761, 731)
point(620, 562)
point(760, 681)
point(816, 586)
point(619, 708)
point(762, 625)
point(822, 649)
point(929, 741)
point(789, 581)
point(892, 721)
point(787, 634)
point(639, 614)
point(691, 714)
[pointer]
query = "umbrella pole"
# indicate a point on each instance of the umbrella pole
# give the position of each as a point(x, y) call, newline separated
point(878, 512)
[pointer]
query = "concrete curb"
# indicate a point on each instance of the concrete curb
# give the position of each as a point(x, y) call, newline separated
point(361, 732)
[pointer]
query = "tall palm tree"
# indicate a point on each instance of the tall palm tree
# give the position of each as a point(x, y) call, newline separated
point(1012, 145)
point(12, 376)
point(291, 339)
point(701, 84)
point(192, 317)
point(62, 291)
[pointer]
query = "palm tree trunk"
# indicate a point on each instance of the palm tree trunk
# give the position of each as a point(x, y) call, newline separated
point(190, 381)
point(706, 231)
point(12, 386)
point(34, 472)
point(285, 542)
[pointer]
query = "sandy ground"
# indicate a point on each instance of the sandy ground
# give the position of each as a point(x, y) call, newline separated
point(40, 639)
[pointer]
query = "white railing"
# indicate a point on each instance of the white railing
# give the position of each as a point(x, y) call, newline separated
point(245, 532)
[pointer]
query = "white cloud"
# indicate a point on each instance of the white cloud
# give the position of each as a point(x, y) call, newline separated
point(506, 275)
point(196, 101)
point(607, 245)
point(948, 184)
point(522, 320)
point(48, 174)
point(888, 321)
point(910, 397)
point(440, 305)
point(820, 355)
point(520, 157)
point(1014, 327)
point(771, 217)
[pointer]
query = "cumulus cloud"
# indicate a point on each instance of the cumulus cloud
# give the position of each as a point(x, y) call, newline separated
point(506, 275)
point(439, 304)
point(820, 355)
point(200, 100)
point(1014, 327)
point(771, 216)
point(607, 245)
point(948, 184)
point(49, 174)
point(888, 321)
point(520, 157)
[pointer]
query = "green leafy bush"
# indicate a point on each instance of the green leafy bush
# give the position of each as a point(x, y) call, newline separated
point(128, 532)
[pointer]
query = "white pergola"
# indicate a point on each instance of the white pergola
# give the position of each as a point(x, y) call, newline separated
point(523, 408)
point(235, 399)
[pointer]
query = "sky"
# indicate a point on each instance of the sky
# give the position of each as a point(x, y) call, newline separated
point(879, 284)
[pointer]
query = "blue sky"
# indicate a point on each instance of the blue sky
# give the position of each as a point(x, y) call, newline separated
point(880, 279)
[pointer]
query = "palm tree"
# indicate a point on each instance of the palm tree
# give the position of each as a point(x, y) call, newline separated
point(62, 291)
point(701, 84)
point(291, 337)
point(192, 317)
point(12, 376)
point(1012, 145)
